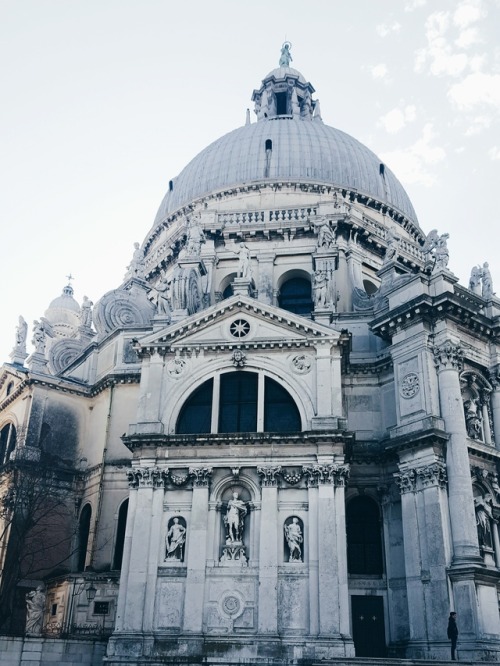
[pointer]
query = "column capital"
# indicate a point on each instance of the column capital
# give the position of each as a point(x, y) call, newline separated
point(448, 356)
point(201, 476)
point(421, 477)
point(333, 474)
point(269, 476)
point(147, 477)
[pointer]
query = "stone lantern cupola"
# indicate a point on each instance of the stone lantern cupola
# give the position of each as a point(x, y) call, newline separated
point(285, 93)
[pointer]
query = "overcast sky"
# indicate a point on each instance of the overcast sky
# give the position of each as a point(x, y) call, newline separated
point(104, 101)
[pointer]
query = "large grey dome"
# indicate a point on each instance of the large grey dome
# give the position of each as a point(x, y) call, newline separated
point(301, 151)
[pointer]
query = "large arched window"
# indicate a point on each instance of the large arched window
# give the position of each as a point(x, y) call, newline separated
point(239, 402)
point(364, 539)
point(83, 536)
point(120, 535)
point(7, 442)
point(295, 296)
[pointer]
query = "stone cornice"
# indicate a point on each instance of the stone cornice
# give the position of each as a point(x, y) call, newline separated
point(459, 306)
point(149, 440)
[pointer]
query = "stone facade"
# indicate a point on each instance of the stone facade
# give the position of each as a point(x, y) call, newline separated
point(278, 437)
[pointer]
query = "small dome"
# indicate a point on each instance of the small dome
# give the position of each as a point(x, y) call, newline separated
point(63, 313)
point(283, 72)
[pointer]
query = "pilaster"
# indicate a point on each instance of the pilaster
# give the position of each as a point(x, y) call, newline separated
point(268, 551)
point(197, 553)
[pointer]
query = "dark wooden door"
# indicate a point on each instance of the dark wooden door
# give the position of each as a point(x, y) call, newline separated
point(368, 630)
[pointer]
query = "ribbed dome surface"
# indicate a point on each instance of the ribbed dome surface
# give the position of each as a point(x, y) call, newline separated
point(305, 151)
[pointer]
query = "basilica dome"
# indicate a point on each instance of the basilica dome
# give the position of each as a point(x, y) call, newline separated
point(289, 143)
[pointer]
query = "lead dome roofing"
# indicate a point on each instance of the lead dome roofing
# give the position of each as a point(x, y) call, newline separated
point(304, 150)
point(301, 151)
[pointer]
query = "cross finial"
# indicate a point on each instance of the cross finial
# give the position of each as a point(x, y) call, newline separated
point(70, 277)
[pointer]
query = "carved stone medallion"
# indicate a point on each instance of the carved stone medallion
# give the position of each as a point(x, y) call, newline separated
point(410, 385)
point(301, 364)
point(176, 367)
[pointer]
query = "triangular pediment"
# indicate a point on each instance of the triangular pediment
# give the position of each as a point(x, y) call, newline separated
point(11, 379)
point(241, 321)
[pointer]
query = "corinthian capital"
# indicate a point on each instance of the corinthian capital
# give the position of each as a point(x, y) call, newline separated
point(335, 475)
point(448, 356)
point(201, 475)
point(269, 475)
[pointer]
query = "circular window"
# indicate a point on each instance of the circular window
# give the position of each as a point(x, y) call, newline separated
point(239, 328)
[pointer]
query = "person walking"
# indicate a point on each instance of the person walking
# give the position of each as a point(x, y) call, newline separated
point(453, 633)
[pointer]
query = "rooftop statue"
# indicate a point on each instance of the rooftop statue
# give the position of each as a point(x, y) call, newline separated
point(286, 56)
point(436, 250)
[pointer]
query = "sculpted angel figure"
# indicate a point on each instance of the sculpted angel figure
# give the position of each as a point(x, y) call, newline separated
point(136, 266)
point(86, 312)
point(326, 237)
point(234, 520)
point(436, 248)
point(320, 289)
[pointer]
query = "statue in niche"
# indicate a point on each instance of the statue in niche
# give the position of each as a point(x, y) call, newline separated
point(294, 101)
point(244, 266)
point(436, 249)
point(285, 56)
point(35, 607)
point(487, 286)
point(294, 539)
point(326, 237)
point(473, 418)
point(475, 280)
point(195, 237)
point(21, 334)
point(86, 312)
point(320, 289)
point(160, 295)
point(484, 516)
point(136, 266)
point(234, 520)
point(175, 541)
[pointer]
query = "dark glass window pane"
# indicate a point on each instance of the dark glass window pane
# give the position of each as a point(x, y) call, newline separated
point(295, 296)
point(83, 536)
point(238, 402)
point(364, 539)
point(196, 413)
point(280, 411)
point(120, 535)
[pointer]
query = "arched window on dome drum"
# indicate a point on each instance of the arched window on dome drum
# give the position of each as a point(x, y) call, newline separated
point(239, 403)
point(295, 296)
point(364, 538)
point(8, 438)
point(83, 536)
point(120, 535)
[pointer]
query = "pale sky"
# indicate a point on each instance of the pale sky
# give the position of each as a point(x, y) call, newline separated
point(104, 101)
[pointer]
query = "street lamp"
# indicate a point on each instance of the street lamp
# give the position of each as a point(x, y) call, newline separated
point(91, 592)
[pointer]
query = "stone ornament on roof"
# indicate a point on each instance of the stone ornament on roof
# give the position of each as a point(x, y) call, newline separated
point(436, 250)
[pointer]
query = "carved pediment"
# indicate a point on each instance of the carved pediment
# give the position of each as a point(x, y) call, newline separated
point(241, 321)
point(10, 382)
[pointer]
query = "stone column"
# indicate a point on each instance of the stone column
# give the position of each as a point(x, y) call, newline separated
point(448, 360)
point(422, 483)
point(197, 553)
point(495, 403)
point(332, 549)
point(121, 603)
point(268, 551)
point(313, 533)
point(150, 394)
point(136, 564)
point(153, 550)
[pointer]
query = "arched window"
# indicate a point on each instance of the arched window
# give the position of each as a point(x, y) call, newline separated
point(83, 536)
point(8, 438)
point(120, 535)
point(364, 539)
point(239, 406)
point(295, 296)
